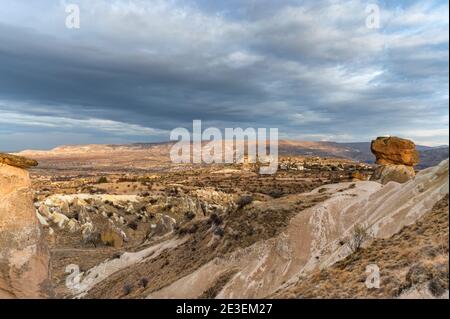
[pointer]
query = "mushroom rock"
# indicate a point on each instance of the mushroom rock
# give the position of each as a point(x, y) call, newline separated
point(396, 158)
point(24, 257)
point(394, 150)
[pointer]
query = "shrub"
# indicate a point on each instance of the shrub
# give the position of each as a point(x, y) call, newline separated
point(102, 180)
point(133, 225)
point(276, 193)
point(437, 287)
point(244, 201)
point(215, 219)
point(127, 289)
point(143, 282)
point(189, 215)
point(358, 236)
point(92, 239)
point(219, 232)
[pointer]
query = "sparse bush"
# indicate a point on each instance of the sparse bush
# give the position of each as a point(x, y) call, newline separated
point(437, 287)
point(358, 236)
point(133, 225)
point(244, 201)
point(127, 289)
point(143, 282)
point(189, 215)
point(92, 239)
point(219, 232)
point(276, 193)
point(102, 180)
point(215, 219)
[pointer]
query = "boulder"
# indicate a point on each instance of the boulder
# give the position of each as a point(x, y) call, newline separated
point(24, 256)
point(393, 173)
point(394, 150)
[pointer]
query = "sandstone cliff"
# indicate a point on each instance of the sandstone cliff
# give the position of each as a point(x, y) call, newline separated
point(24, 256)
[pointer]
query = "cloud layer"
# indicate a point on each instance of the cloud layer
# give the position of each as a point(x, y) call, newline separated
point(137, 69)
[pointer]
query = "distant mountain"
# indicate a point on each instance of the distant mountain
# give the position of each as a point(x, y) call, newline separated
point(140, 154)
point(432, 157)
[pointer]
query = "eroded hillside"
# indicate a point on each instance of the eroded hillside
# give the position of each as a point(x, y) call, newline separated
point(225, 231)
point(186, 239)
point(413, 263)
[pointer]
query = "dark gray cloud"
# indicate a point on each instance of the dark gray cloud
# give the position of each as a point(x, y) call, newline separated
point(137, 69)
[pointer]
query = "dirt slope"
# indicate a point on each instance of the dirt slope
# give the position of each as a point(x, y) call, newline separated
point(311, 241)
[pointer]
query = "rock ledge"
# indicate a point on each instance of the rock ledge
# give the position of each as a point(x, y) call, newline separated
point(17, 161)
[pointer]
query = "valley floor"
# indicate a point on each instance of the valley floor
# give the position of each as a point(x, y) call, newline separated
point(229, 233)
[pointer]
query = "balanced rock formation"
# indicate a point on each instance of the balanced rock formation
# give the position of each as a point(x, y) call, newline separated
point(394, 150)
point(24, 258)
point(396, 157)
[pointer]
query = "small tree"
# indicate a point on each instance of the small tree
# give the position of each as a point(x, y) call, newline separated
point(357, 237)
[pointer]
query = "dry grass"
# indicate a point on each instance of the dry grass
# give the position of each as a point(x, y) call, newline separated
point(418, 254)
point(217, 286)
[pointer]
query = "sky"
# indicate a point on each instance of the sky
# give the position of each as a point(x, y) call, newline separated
point(135, 70)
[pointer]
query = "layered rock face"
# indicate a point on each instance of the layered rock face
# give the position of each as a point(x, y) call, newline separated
point(396, 157)
point(24, 258)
